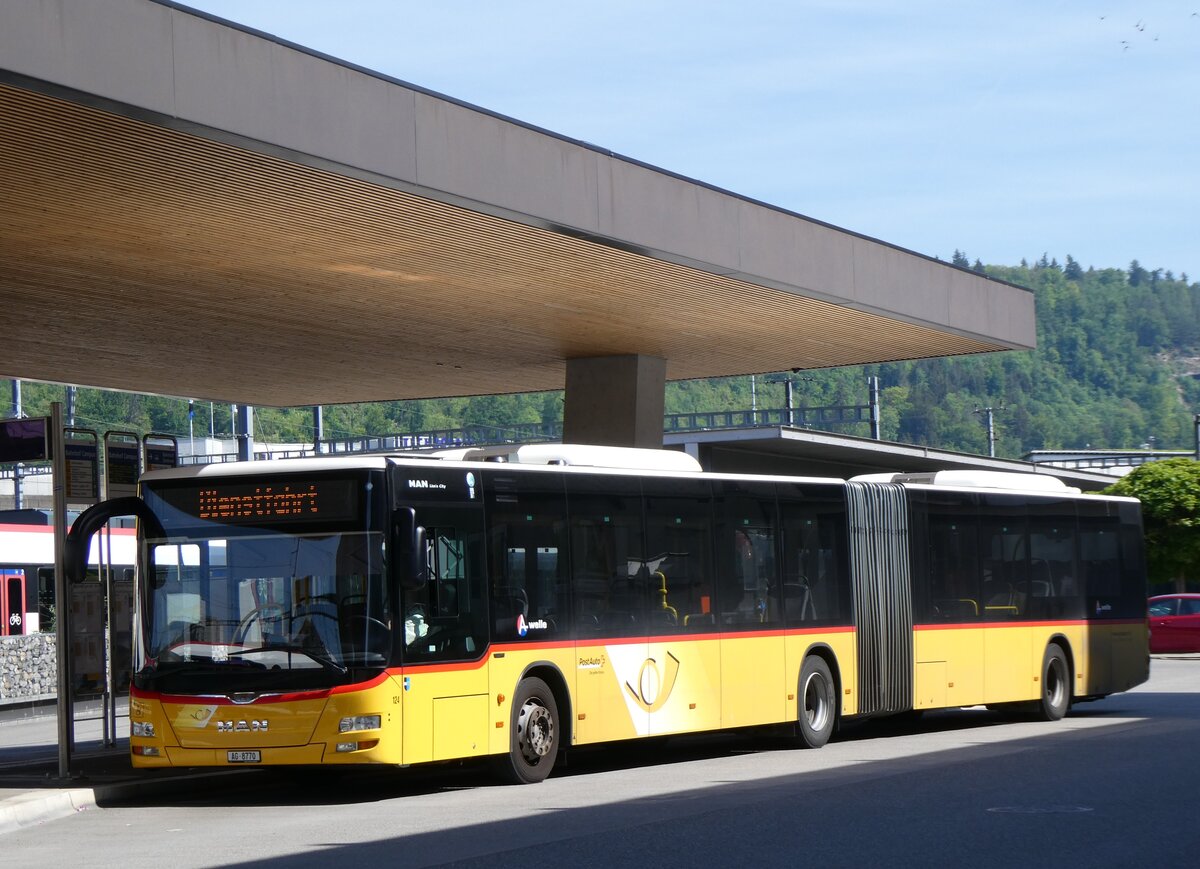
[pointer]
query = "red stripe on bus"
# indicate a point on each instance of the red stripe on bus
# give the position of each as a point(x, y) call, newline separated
point(1064, 623)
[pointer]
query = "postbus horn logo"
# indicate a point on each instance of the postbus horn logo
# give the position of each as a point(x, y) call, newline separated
point(654, 688)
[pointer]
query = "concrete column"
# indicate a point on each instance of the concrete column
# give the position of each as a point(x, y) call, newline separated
point(245, 429)
point(615, 401)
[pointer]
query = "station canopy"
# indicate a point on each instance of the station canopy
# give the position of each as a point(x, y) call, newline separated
point(190, 208)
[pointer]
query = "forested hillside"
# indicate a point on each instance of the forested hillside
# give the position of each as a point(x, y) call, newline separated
point(1117, 365)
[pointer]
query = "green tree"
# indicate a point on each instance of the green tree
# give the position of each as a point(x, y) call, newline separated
point(1137, 274)
point(1170, 494)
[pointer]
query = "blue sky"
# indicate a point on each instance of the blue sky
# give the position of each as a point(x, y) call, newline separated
point(1003, 129)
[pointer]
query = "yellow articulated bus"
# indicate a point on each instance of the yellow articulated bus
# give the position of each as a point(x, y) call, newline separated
point(513, 603)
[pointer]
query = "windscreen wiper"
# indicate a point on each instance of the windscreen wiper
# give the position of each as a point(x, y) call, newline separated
point(203, 665)
point(325, 661)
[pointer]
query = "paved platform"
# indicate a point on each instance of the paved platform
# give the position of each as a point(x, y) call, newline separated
point(31, 790)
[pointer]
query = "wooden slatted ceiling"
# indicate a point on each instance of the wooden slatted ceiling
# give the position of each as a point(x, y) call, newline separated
point(137, 257)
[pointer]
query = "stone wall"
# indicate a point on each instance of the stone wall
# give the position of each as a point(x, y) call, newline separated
point(28, 667)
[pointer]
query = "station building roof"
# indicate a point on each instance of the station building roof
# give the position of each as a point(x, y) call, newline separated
point(192, 208)
point(808, 452)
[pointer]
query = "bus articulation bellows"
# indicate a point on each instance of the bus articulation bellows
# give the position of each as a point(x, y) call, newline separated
point(515, 602)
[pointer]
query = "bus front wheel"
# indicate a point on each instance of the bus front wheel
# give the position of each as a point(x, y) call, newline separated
point(818, 703)
point(1056, 684)
point(534, 740)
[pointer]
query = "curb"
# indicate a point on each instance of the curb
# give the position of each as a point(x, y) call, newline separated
point(43, 805)
point(29, 809)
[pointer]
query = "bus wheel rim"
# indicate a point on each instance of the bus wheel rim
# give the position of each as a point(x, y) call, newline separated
point(535, 732)
point(1055, 682)
point(816, 704)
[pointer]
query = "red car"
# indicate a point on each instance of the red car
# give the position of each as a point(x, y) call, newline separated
point(1175, 623)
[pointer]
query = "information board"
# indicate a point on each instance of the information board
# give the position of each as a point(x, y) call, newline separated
point(122, 463)
point(24, 440)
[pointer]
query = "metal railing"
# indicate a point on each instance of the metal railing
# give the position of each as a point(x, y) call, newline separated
point(1115, 460)
point(803, 417)
point(538, 432)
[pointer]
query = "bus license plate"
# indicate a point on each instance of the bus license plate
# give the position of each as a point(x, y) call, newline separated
point(245, 756)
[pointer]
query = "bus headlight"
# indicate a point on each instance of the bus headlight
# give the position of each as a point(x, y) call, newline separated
point(359, 722)
point(141, 728)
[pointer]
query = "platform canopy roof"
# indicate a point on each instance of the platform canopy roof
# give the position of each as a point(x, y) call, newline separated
point(191, 208)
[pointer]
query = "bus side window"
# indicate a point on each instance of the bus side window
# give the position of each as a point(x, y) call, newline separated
point(816, 581)
point(608, 556)
point(679, 555)
point(527, 558)
point(749, 587)
point(450, 561)
point(956, 576)
point(445, 619)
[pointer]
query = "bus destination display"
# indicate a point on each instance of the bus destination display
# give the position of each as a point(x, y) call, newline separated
point(290, 500)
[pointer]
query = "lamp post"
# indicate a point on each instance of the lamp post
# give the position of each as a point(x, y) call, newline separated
point(786, 380)
point(989, 420)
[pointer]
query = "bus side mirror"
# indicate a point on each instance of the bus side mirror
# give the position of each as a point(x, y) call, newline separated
point(91, 520)
point(413, 560)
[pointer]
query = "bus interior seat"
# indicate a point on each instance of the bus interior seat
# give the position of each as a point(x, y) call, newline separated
point(508, 603)
point(666, 616)
point(957, 608)
point(510, 600)
point(797, 601)
point(619, 619)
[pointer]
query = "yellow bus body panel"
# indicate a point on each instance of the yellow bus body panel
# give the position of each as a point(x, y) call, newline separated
point(754, 684)
point(445, 711)
point(304, 730)
point(1002, 662)
point(623, 689)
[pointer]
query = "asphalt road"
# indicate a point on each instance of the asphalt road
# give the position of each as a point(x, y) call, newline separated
point(1113, 785)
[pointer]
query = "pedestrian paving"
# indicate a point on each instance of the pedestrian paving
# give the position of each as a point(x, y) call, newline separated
point(31, 789)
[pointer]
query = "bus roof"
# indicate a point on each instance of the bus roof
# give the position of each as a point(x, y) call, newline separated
point(972, 479)
point(585, 457)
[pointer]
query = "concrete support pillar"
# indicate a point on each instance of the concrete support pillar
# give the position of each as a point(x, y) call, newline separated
point(615, 401)
point(245, 430)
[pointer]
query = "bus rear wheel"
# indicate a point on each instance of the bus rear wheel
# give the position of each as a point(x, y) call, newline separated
point(1056, 684)
point(534, 741)
point(818, 710)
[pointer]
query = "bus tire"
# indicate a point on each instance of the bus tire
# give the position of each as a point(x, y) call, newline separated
point(818, 710)
point(534, 741)
point(1056, 684)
